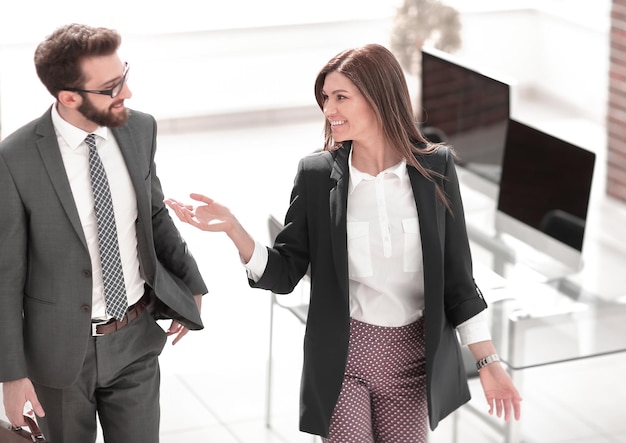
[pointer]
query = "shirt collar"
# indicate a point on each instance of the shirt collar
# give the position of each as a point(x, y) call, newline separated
point(72, 135)
point(356, 176)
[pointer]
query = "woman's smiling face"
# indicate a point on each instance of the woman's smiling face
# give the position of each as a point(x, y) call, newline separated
point(350, 115)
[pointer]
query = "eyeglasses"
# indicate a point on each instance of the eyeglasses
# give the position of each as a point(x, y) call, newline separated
point(113, 92)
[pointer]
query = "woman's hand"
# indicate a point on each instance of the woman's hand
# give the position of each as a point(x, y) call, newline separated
point(212, 216)
point(500, 392)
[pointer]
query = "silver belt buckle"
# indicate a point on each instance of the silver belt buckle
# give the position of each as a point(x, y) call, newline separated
point(94, 327)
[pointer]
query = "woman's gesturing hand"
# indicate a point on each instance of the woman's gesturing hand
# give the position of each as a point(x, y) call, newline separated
point(214, 217)
point(209, 216)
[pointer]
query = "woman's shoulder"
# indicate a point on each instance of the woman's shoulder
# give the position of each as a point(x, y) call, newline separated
point(322, 159)
point(434, 156)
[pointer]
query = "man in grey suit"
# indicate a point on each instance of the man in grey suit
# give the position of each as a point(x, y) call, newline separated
point(82, 208)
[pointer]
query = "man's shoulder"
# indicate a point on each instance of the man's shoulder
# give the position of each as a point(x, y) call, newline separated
point(140, 118)
point(143, 126)
point(24, 135)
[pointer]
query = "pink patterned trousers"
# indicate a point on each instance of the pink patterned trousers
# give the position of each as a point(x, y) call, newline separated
point(383, 397)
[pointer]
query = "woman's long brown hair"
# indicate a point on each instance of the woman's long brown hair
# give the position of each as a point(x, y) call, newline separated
point(375, 71)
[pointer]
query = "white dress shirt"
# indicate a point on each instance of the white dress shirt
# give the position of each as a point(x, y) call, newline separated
point(75, 154)
point(386, 273)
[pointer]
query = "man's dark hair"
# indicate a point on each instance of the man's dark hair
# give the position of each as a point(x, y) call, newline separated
point(58, 58)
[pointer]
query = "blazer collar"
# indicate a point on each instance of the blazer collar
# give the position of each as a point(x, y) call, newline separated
point(48, 147)
point(72, 135)
point(338, 202)
point(431, 215)
point(430, 209)
point(130, 151)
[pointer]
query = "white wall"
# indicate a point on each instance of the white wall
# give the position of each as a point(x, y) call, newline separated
point(549, 56)
point(189, 57)
point(249, 58)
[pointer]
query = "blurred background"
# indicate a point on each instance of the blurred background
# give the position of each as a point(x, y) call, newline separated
point(191, 59)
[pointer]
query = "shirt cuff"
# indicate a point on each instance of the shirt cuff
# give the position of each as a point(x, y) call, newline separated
point(474, 330)
point(257, 263)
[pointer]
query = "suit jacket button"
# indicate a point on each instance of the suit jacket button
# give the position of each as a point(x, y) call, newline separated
point(85, 308)
point(86, 273)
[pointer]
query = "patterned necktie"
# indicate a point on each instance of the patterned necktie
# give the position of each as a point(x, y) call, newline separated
point(112, 274)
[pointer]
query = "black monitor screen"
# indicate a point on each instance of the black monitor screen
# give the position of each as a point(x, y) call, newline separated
point(467, 109)
point(546, 183)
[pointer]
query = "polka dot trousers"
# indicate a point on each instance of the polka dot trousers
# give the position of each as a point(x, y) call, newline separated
point(383, 397)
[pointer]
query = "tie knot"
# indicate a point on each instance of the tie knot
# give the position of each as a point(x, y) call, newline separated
point(91, 141)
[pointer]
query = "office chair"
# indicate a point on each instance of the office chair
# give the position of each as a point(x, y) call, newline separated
point(565, 227)
point(300, 311)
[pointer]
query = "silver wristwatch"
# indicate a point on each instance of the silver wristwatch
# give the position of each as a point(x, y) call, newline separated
point(487, 361)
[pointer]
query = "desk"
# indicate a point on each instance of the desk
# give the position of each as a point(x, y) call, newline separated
point(540, 324)
point(539, 319)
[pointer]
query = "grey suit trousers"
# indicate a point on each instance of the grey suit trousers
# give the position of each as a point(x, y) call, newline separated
point(119, 380)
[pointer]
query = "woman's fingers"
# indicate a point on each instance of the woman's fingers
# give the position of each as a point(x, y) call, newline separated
point(201, 198)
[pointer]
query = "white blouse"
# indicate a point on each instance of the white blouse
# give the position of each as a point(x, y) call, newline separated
point(385, 264)
point(386, 272)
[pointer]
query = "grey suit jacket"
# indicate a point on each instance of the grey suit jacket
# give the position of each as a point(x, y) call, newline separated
point(45, 269)
point(315, 234)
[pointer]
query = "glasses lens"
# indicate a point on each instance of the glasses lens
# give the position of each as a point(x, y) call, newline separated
point(118, 88)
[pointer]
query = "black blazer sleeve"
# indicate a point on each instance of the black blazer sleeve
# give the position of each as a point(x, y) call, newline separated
point(289, 258)
point(462, 298)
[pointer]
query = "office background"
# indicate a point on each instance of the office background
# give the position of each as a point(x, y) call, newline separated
point(231, 85)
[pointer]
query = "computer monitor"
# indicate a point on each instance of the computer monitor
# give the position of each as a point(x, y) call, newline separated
point(544, 197)
point(469, 110)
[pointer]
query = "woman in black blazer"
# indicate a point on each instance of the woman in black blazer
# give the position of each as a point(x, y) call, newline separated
point(378, 217)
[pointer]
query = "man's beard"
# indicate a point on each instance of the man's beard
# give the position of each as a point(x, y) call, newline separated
point(102, 118)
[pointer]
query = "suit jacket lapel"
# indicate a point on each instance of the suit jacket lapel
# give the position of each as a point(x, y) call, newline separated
point(338, 202)
point(130, 152)
point(50, 153)
point(431, 219)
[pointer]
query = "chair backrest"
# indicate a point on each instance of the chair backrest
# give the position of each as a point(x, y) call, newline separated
point(299, 310)
point(274, 227)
